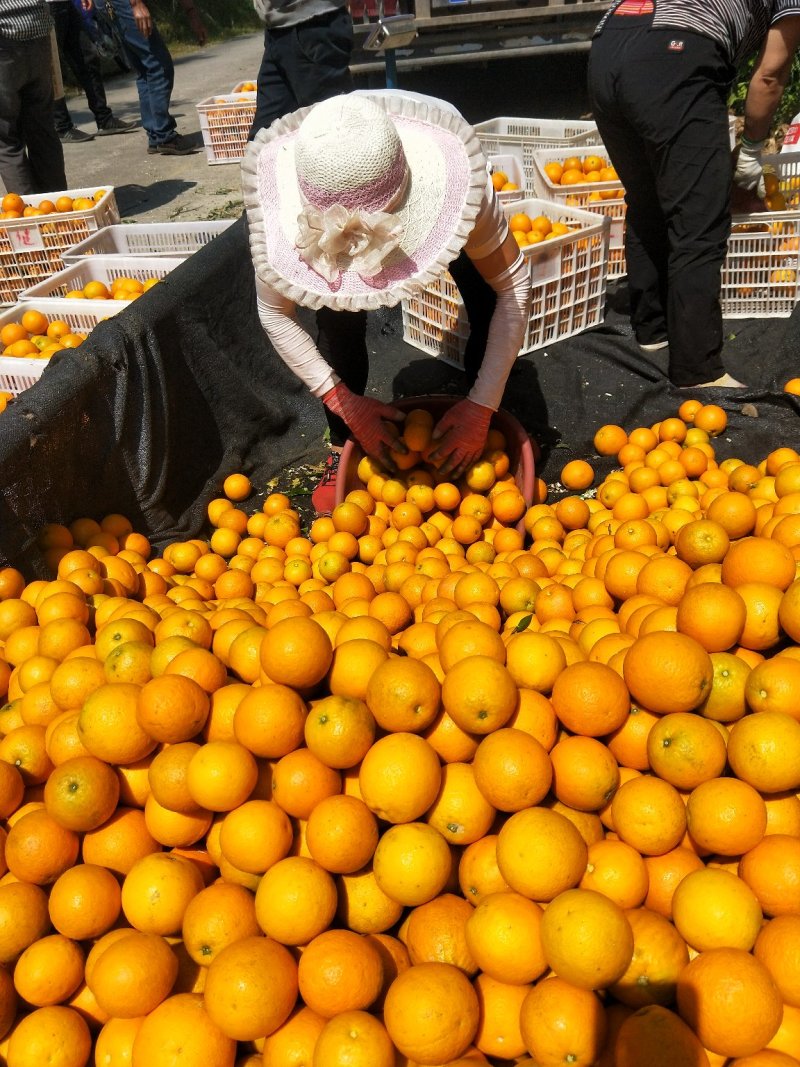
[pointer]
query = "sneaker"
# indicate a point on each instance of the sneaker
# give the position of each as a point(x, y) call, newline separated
point(115, 125)
point(175, 146)
point(654, 346)
point(324, 496)
point(75, 136)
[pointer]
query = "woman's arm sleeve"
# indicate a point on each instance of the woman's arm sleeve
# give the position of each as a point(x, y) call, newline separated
point(291, 341)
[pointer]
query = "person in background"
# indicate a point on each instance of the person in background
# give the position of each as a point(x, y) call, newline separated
point(31, 156)
point(307, 48)
point(88, 74)
point(355, 204)
point(659, 78)
point(155, 74)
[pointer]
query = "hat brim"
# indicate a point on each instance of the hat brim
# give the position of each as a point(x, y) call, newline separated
point(446, 187)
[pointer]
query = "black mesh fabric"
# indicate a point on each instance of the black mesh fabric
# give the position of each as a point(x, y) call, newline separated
point(181, 388)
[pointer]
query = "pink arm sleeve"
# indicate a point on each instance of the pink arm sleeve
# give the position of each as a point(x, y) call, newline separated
point(291, 342)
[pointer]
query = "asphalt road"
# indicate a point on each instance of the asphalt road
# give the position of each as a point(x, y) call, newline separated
point(161, 188)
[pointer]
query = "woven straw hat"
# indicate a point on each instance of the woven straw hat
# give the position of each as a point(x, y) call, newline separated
point(361, 200)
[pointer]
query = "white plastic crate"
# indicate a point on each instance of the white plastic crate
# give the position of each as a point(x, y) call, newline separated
point(761, 272)
point(225, 122)
point(79, 315)
point(31, 249)
point(50, 296)
point(148, 239)
point(568, 276)
point(520, 137)
point(512, 168)
point(18, 373)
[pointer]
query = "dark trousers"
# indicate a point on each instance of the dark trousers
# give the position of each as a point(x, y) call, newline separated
point(659, 98)
point(341, 337)
point(31, 156)
point(155, 74)
point(86, 70)
point(302, 65)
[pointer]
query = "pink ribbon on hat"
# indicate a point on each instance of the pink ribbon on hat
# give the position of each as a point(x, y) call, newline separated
point(363, 238)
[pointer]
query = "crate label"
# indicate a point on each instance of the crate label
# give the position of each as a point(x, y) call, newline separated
point(617, 233)
point(25, 238)
point(544, 267)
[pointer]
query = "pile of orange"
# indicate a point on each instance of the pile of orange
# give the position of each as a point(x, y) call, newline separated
point(439, 781)
point(577, 170)
point(530, 231)
point(14, 207)
point(121, 288)
point(36, 335)
point(502, 183)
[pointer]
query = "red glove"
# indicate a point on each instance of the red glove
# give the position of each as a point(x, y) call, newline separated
point(370, 421)
point(459, 437)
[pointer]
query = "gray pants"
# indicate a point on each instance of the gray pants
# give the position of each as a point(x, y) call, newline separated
point(31, 156)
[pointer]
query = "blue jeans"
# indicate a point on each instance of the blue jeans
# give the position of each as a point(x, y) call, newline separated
point(155, 74)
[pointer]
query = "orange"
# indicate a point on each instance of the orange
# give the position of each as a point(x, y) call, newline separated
point(479, 693)
point(56, 1035)
point(412, 863)
point(84, 902)
point(341, 834)
point(339, 730)
point(712, 418)
point(725, 816)
point(12, 789)
point(81, 793)
point(295, 900)
point(38, 849)
point(665, 873)
point(255, 835)
point(339, 971)
point(460, 812)
point(617, 871)
point(667, 672)
point(590, 698)
point(172, 708)
point(132, 974)
point(431, 1012)
point(540, 853)
point(771, 871)
point(648, 814)
point(436, 932)
point(115, 1041)
point(586, 938)
point(713, 908)
point(300, 780)
point(353, 1039)
point(269, 721)
point(296, 652)
point(400, 777)
point(119, 842)
point(180, 1029)
point(108, 726)
point(777, 948)
point(685, 750)
point(762, 603)
point(713, 614)
point(363, 905)
point(769, 684)
point(49, 971)
point(585, 773)
point(503, 937)
point(156, 891)
point(499, 1031)
point(512, 770)
point(561, 1023)
point(732, 1018)
point(293, 1043)
point(221, 775)
point(764, 749)
point(353, 665)
point(628, 743)
point(23, 747)
point(166, 776)
point(251, 987)
point(659, 956)
point(758, 559)
point(657, 1037)
point(403, 694)
point(535, 660)
point(218, 916)
point(24, 918)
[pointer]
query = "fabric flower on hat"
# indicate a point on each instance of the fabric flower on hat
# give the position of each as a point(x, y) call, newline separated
point(336, 239)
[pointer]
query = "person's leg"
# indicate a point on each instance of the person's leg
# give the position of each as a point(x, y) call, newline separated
point(86, 69)
point(14, 168)
point(152, 62)
point(479, 303)
point(274, 96)
point(45, 154)
point(342, 342)
point(320, 63)
point(646, 243)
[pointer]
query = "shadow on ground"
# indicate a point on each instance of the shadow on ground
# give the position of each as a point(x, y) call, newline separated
point(132, 199)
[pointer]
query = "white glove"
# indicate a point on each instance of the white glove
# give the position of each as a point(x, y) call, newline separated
point(749, 173)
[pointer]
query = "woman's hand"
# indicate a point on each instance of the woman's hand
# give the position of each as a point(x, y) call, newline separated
point(459, 437)
point(371, 422)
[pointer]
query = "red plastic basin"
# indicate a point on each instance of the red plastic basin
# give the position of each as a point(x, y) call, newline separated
point(518, 445)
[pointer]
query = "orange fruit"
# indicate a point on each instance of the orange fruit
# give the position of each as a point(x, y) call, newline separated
point(108, 726)
point(713, 614)
point(540, 853)
point(771, 871)
point(221, 775)
point(763, 750)
point(586, 938)
point(561, 1023)
point(403, 694)
point(731, 1018)
point(38, 849)
point(255, 835)
point(218, 916)
point(132, 974)
point(181, 1029)
point(269, 721)
point(585, 773)
point(512, 769)
point(479, 693)
point(293, 1043)
point(713, 908)
point(590, 699)
point(339, 971)
point(251, 987)
point(667, 672)
point(577, 475)
point(777, 948)
point(400, 777)
point(339, 730)
point(24, 918)
point(503, 937)
point(725, 816)
point(436, 932)
point(665, 873)
point(659, 956)
point(55, 1034)
point(295, 900)
point(172, 708)
point(81, 793)
point(758, 559)
point(685, 750)
point(156, 891)
point(300, 780)
point(341, 834)
point(460, 812)
point(648, 814)
point(84, 902)
point(499, 1031)
point(296, 652)
point(354, 1039)
point(431, 1012)
point(656, 1036)
point(49, 971)
point(120, 841)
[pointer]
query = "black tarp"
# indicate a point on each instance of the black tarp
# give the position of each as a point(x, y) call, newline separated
point(181, 388)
